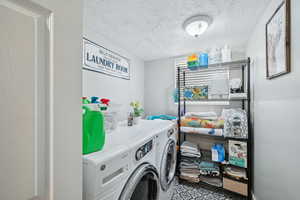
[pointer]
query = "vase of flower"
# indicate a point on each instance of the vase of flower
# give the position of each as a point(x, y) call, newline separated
point(137, 111)
point(136, 120)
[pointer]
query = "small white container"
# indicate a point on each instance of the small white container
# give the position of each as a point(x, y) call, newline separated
point(226, 54)
point(110, 121)
point(111, 117)
point(214, 56)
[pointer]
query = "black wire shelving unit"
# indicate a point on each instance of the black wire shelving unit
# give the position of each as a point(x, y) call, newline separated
point(184, 76)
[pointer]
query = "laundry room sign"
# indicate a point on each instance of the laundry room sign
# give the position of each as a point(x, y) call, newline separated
point(99, 59)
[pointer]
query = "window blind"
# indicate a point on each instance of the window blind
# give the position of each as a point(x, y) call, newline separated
point(200, 77)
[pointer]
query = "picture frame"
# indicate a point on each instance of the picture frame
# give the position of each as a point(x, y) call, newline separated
point(97, 58)
point(196, 93)
point(278, 42)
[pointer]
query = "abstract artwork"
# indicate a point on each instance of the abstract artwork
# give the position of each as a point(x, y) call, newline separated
point(278, 41)
point(194, 93)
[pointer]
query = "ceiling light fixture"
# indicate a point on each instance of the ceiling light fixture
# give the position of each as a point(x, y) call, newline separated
point(197, 25)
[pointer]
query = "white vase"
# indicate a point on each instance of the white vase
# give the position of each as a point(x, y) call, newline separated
point(136, 120)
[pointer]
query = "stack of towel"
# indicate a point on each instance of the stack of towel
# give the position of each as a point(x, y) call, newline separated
point(189, 165)
point(209, 173)
point(202, 123)
point(189, 149)
point(189, 169)
point(195, 168)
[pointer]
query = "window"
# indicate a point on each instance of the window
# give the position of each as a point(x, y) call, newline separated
point(202, 77)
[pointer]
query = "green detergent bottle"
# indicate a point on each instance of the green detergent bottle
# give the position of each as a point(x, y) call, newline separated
point(93, 129)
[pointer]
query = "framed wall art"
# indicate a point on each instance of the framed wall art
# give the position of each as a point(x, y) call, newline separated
point(278, 41)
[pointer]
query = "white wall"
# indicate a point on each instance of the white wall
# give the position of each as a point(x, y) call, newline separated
point(276, 114)
point(119, 90)
point(159, 84)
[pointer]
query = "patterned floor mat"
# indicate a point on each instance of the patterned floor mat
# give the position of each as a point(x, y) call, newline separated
point(190, 191)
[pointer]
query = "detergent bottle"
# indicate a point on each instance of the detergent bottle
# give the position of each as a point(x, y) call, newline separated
point(93, 132)
point(193, 62)
point(203, 57)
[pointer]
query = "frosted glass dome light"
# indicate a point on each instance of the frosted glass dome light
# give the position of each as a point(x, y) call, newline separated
point(197, 25)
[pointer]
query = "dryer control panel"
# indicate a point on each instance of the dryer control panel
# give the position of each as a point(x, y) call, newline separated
point(170, 132)
point(144, 150)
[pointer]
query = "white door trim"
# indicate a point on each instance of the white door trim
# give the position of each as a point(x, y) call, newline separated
point(43, 64)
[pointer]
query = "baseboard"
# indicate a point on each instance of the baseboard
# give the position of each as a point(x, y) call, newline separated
point(253, 196)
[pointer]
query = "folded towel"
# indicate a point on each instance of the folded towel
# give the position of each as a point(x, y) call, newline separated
point(208, 131)
point(188, 166)
point(189, 149)
point(209, 169)
point(208, 165)
point(236, 172)
point(190, 179)
point(211, 180)
point(193, 173)
point(201, 114)
point(205, 172)
point(189, 145)
point(163, 117)
point(202, 123)
point(189, 163)
point(191, 155)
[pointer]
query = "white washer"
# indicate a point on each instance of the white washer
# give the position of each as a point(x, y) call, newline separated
point(105, 173)
point(166, 159)
point(126, 168)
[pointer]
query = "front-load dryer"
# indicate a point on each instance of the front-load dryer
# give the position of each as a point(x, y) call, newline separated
point(166, 159)
point(143, 182)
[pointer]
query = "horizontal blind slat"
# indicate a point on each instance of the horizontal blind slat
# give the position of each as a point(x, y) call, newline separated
point(202, 77)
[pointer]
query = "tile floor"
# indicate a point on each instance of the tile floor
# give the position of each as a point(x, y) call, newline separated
point(190, 191)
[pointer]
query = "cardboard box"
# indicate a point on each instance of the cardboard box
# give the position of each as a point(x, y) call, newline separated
point(235, 186)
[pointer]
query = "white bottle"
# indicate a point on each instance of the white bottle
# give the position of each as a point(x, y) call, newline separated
point(226, 54)
point(215, 55)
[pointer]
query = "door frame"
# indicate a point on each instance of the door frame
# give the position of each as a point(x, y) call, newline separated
point(59, 165)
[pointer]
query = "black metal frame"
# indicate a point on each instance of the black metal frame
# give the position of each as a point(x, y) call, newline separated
point(247, 101)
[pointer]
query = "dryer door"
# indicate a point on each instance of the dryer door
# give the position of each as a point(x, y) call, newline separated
point(168, 165)
point(142, 185)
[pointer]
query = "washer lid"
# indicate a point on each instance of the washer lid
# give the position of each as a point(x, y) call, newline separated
point(168, 164)
point(143, 184)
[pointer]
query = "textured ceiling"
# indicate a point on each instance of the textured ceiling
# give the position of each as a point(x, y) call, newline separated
point(153, 29)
